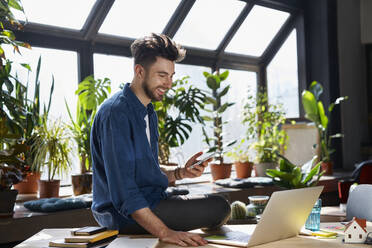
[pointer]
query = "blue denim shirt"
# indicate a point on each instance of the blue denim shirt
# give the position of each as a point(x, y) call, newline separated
point(126, 172)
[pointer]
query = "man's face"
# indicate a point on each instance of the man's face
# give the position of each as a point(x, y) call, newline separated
point(158, 78)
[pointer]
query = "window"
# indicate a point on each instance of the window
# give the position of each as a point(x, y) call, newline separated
point(67, 13)
point(282, 78)
point(195, 143)
point(117, 68)
point(208, 22)
point(349, 236)
point(242, 84)
point(257, 31)
point(360, 236)
point(62, 65)
point(138, 18)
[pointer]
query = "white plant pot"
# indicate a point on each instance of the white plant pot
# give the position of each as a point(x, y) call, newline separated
point(261, 168)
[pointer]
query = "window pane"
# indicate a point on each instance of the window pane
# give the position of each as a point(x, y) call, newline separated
point(256, 32)
point(138, 18)
point(208, 22)
point(118, 69)
point(67, 13)
point(63, 66)
point(243, 84)
point(282, 77)
point(195, 142)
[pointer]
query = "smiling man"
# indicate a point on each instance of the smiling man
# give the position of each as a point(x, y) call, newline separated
point(128, 183)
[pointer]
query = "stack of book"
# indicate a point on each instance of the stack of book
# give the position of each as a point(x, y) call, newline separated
point(94, 237)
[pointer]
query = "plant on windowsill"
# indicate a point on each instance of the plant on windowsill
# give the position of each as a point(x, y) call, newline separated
point(219, 169)
point(241, 157)
point(177, 111)
point(51, 150)
point(29, 120)
point(314, 111)
point(12, 147)
point(91, 93)
point(12, 162)
point(264, 121)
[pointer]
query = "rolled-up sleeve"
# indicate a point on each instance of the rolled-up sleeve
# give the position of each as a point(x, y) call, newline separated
point(119, 159)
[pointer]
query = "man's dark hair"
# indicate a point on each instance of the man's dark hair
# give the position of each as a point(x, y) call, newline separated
point(146, 49)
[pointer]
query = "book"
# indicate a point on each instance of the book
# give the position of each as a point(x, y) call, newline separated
point(91, 238)
point(99, 244)
point(88, 230)
point(126, 242)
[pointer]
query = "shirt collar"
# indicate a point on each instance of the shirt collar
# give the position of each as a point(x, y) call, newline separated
point(136, 103)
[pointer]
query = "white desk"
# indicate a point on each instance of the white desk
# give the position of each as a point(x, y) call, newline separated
point(42, 239)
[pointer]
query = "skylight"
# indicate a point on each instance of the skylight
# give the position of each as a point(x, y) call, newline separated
point(257, 31)
point(208, 22)
point(137, 18)
point(66, 13)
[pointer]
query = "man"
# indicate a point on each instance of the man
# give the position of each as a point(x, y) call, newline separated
point(128, 184)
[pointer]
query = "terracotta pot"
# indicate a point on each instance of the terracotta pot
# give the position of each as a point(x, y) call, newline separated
point(7, 201)
point(243, 169)
point(220, 171)
point(260, 168)
point(82, 184)
point(327, 167)
point(48, 189)
point(29, 185)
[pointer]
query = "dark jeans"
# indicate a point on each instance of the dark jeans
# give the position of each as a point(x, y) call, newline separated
point(185, 213)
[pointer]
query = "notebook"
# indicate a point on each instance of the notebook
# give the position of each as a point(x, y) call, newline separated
point(283, 217)
point(91, 238)
point(126, 242)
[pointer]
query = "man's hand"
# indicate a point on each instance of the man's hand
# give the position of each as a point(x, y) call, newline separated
point(148, 220)
point(196, 170)
point(183, 238)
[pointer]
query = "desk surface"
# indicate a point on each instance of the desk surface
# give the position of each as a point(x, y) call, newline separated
point(42, 239)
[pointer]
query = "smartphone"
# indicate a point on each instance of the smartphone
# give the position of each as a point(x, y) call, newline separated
point(204, 159)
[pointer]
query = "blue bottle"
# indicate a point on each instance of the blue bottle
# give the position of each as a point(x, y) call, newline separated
point(313, 221)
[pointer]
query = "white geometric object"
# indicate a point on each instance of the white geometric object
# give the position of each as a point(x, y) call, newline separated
point(355, 231)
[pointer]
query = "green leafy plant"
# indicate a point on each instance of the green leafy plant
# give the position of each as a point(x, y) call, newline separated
point(52, 148)
point(176, 112)
point(91, 93)
point(264, 121)
point(240, 152)
point(314, 111)
point(214, 99)
point(11, 155)
point(11, 147)
point(32, 117)
point(291, 176)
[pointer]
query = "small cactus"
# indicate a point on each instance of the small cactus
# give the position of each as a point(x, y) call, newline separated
point(238, 210)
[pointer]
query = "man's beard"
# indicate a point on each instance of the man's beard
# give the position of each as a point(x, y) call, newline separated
point(150, 94)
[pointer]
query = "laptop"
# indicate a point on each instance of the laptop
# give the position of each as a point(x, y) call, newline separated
point(284, 216)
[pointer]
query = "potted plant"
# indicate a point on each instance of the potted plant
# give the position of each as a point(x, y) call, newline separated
point(290, 176)
point(29, 120)
point(183, 102)
point(264, 121)
point(91, 93)
point(11, 165)
point(219, 169)
point(12, 152)
point(240, 156)
point(314, 111)
point(51, 150)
